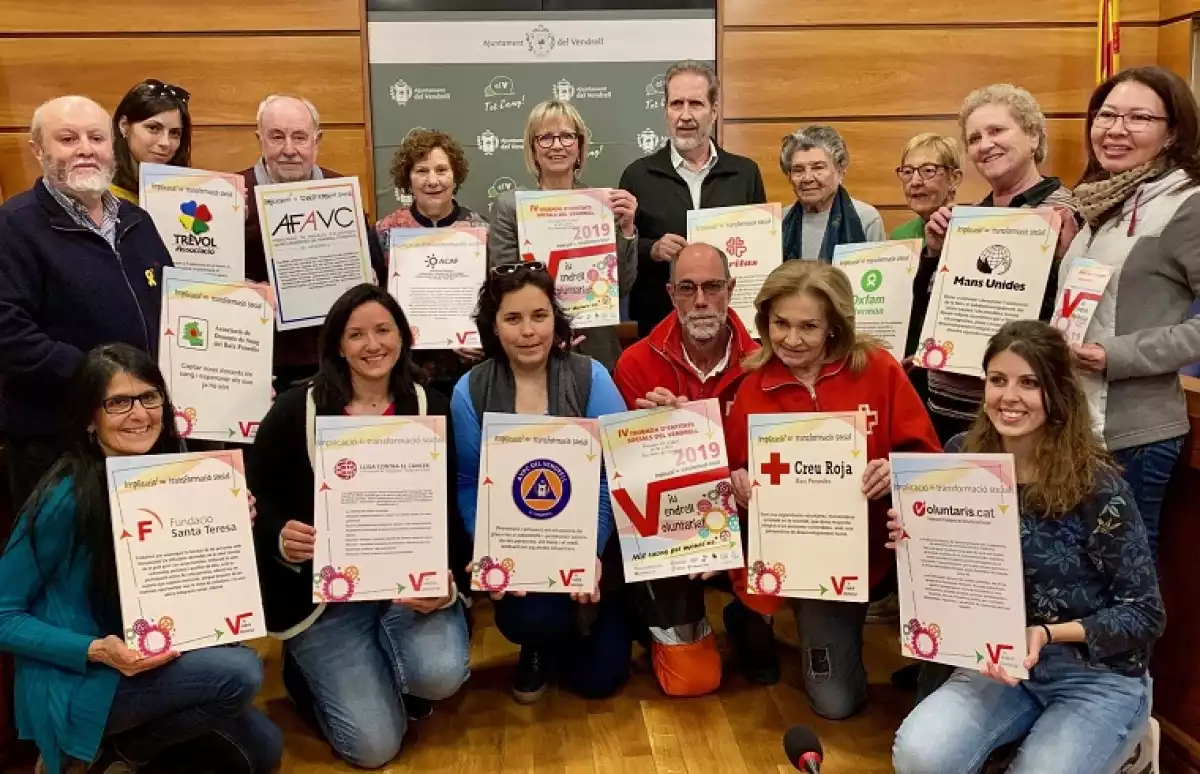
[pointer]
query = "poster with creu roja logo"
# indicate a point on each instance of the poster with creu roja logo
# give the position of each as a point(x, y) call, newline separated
point(476, 77)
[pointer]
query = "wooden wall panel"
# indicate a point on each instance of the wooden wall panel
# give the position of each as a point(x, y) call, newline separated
point(1169, 10)
point(225, 149)
point(63, 17)
point(776, 13)
point(1175, 47)
point(875, 148)
point(841, 72)
point(227, 75)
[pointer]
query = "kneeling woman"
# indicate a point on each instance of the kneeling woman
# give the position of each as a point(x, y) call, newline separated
point(524, 333)
point(79, 689)
point(813, 359)
point(1091, 596)
point(348, 664)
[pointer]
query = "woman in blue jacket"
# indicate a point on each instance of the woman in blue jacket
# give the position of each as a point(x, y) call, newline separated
point(583, 638)
point(81, 694)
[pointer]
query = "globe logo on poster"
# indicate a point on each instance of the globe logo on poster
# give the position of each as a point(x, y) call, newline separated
point(996, 259)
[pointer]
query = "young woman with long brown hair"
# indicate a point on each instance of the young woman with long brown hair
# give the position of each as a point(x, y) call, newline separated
point(1091, 596)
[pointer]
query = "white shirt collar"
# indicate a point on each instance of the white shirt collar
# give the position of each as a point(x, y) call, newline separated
point(721, 365)
point(678, 161)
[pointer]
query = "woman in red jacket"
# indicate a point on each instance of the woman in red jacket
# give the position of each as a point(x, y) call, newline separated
point(813, 360)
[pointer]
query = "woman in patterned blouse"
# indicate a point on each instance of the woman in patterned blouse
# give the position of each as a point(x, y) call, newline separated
point(1092, 603)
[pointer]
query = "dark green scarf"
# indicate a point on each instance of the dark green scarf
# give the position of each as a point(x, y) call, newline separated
point(843, 228)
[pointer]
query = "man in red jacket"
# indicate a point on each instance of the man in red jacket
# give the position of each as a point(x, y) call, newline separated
point(693, 354)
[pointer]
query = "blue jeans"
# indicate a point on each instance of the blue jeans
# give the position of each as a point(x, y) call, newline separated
point(357, 659)
point(1147, 470)
point(591, 645)
point(194, 714)
point(1080, 719)
point(831, 641)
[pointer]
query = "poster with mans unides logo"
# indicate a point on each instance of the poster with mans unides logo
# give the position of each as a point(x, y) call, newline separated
point(315, 239)
point(477, 76)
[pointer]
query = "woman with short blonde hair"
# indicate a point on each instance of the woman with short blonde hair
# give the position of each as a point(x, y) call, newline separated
point(812, 359)
point(556, 148)
point(930, 173)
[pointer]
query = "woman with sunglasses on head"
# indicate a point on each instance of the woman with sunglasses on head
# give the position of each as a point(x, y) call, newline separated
point(1138, 195)
point(528, 370)
point(151, 124)
point(556, 148)
point(352, 668)
point(1092, 603)
point(91, 703)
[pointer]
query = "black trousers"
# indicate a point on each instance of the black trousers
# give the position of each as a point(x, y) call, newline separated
point(28, 460)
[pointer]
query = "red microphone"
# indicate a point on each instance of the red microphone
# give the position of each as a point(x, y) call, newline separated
point(803, 749)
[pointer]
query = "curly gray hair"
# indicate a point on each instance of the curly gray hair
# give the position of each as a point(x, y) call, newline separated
point(818, 136)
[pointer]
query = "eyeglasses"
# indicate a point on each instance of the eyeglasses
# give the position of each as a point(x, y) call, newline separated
point(156, 88)
point(1134, 122)
point(566, 139)
point(687, 288)
point(123, 404)
point(505, 269)
point(926, 171)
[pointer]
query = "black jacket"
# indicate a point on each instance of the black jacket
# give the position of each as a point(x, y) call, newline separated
point(280, 475)
point(663, 203)
point(63, 291)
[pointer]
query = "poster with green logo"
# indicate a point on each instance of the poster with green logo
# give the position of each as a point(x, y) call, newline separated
point(881, 275)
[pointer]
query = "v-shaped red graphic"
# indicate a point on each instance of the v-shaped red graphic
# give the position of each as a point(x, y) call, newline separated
point(558, 256)
point(1069, 304)
point(647, 523)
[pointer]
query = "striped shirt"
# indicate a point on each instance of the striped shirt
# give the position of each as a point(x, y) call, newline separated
point(79, 213)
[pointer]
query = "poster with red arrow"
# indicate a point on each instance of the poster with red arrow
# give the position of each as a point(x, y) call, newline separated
point(379, 508)
point(573, 233)
point(751, 237)
point(961, 579)
point(184, 551)
point(808, 516)
point(994, 267)
point(670, 491)
point(214, 348)
point(1078, 296)
point(537, 517)
point(201, 217)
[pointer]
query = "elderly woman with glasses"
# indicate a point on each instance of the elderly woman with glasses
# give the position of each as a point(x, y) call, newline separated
point(151, 124)
point(930, 173)
point(583, 638)
point(556, 148)
point(815, 161)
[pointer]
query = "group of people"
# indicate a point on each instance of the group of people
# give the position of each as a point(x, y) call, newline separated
point(1095, 429)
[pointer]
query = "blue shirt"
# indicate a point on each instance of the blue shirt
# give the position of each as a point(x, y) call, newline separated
point(603, 399)
point(62, 699)
point(106, 228)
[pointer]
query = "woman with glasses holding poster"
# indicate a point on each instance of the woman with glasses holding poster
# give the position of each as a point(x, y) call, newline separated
point(151, 124)
point(583, 638)
point(357, 671)
point(1138, 195)
point(86, 698)
point(556, 148)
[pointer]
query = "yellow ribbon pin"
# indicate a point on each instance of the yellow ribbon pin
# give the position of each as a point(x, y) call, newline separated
point(150, 278)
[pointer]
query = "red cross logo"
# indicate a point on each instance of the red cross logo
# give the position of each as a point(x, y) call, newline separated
point(776, 468)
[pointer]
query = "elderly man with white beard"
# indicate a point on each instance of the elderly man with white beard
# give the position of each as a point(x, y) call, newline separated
point(693, 354)
point(78, 268)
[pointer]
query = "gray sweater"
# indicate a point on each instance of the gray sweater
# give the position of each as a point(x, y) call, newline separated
point(1142, 320)
point(600, 343)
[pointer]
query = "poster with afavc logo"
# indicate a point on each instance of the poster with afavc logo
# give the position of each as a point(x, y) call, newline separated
point(751, 237)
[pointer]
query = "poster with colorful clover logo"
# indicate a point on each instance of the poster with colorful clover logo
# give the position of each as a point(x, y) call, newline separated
point(201, 217)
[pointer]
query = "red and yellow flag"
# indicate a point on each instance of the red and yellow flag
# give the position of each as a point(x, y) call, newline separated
point(1108, 61)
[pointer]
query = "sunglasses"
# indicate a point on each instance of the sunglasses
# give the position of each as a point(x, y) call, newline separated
point(505, 269)
point(156, 88)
